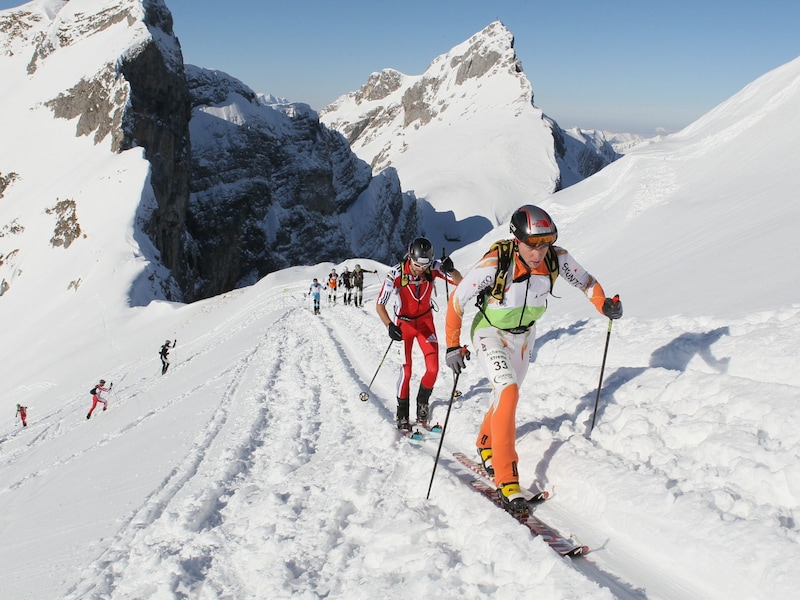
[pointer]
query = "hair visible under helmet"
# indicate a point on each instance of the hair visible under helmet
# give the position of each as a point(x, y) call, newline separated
point(532, 225)
point(420, 251)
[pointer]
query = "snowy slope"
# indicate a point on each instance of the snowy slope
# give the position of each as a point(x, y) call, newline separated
point(252, 470)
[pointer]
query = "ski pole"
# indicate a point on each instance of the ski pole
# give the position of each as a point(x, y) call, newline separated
point(602, 368)
point(365, 395)
point(441, 439)
point(446, 288)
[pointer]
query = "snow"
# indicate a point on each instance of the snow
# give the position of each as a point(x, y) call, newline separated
point(252, 469)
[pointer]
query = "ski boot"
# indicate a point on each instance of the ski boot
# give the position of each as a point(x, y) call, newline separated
point(513, 500)
point(423, 396)
point(402, 414)
point(486, 460)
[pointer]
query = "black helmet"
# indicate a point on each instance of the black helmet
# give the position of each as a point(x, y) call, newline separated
point(421, 251)
point(533, 226)
point(102, 381)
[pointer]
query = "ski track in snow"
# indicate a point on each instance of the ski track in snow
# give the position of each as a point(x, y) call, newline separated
point(215, 528)
point(291, 484)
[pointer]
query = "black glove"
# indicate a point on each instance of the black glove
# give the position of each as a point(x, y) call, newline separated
point(395, 333)
point(612, 308)
point(447, 265)
point(455, 357)
point(112, 385)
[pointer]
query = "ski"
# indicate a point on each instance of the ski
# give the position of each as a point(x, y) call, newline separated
point(564, 546)
point(421, 430)
point(530, 495)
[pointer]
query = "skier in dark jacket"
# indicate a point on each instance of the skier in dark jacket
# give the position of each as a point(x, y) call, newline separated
point(358, 284)
point(346, 281)
point(164, 354)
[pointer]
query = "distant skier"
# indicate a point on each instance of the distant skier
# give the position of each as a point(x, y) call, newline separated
point(358, 284)
point(316, 293)
point(97, 396)
point(346, 281)
point(333, 282)
point(164, 354)
point(22, 411)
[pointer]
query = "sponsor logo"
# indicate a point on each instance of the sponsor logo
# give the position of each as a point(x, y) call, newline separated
point(503, 379)
point(488, 280)
point(569, 273)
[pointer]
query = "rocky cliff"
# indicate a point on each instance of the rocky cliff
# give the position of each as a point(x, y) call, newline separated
point(268, 186)
point(272, 187)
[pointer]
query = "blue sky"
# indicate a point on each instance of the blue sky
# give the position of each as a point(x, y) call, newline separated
point(620, 65)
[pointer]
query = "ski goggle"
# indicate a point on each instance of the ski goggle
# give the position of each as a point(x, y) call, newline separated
point(420, 265)
point(539, 241)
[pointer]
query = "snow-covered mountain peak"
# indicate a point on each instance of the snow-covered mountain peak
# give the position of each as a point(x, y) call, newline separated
point(464, 136)
point(488, 52)
point(453, 82)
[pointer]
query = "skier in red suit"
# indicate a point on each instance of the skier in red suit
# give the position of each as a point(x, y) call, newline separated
point(22, 411)
point(411, 284)
point(97, 396)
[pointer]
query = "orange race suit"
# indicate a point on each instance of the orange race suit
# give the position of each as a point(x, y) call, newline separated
point(503, 334)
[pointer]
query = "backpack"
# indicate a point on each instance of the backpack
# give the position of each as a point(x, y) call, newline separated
point(505, 254)
point(93, 391)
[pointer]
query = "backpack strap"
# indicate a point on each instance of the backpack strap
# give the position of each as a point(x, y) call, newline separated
point(405, 278)
point(505, 252)
point(551, 260)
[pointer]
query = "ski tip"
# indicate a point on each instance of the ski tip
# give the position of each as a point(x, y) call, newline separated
point(576, 551)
